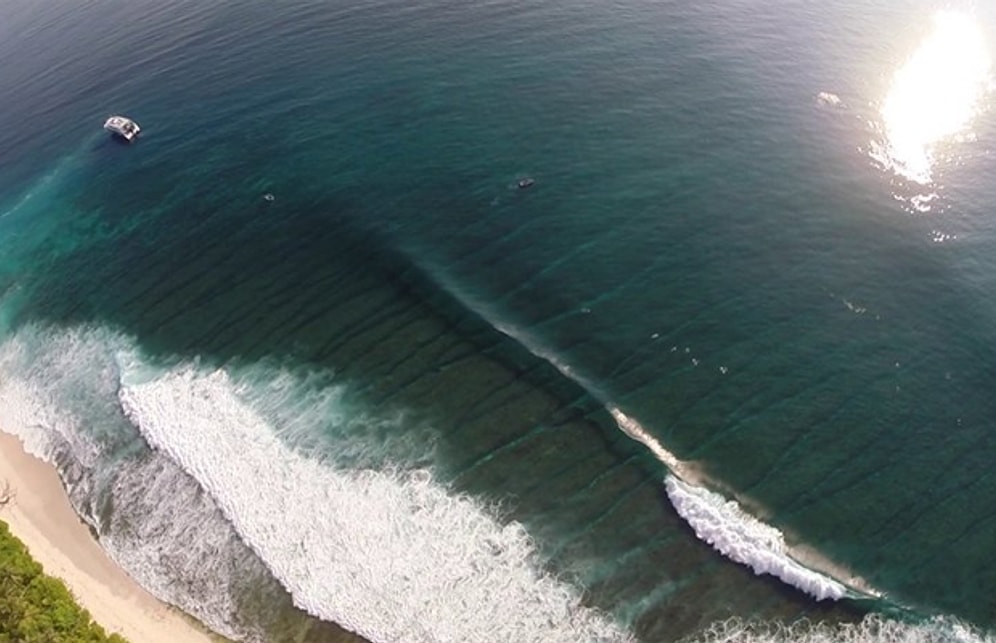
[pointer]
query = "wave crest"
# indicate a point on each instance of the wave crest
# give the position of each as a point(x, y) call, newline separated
point(745, 539)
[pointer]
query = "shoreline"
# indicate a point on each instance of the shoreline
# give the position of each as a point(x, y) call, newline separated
point(41, 517)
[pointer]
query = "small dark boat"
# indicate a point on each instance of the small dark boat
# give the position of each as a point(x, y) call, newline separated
point(526, 182)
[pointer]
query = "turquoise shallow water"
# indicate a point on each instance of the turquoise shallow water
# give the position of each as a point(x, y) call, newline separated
point(436, 354)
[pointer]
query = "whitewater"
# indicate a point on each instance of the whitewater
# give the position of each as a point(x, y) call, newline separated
point(388, 553)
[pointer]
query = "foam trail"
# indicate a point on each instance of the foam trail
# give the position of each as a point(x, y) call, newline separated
point(392, 556)
point(39, 186)
point(633, 429)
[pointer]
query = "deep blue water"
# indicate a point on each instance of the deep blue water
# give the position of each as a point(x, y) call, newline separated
point(395, 388)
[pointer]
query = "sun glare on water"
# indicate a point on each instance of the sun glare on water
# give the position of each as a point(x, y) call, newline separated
point(934, 96)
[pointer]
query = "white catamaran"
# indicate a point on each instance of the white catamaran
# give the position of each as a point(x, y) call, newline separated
point(123, 127)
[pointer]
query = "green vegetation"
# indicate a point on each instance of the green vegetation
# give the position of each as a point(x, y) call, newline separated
point(35, 608)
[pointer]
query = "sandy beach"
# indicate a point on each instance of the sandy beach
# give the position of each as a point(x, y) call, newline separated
point(41, 516)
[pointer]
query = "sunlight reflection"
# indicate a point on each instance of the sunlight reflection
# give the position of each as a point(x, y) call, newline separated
point(934, 96)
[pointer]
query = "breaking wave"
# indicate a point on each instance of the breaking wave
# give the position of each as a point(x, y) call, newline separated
point(720, 522)
point(873, 629)
point(390, 555)
point(732, 531)
point(387, 553)
point(743, 538)
point(58, 395)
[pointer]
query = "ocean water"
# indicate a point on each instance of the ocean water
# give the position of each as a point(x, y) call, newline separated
point(724, 372)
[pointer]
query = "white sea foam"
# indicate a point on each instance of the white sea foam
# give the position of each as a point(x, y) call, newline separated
point(392, 556)
point(171, 536)
point(49, 383)
point(317, 418)
point(633, 429)
point(745, 539)
point(828, 99)
point(58, 394)
point(729, 529)
point(873, 629)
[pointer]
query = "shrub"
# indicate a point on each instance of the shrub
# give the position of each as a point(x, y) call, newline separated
point(35, 608)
